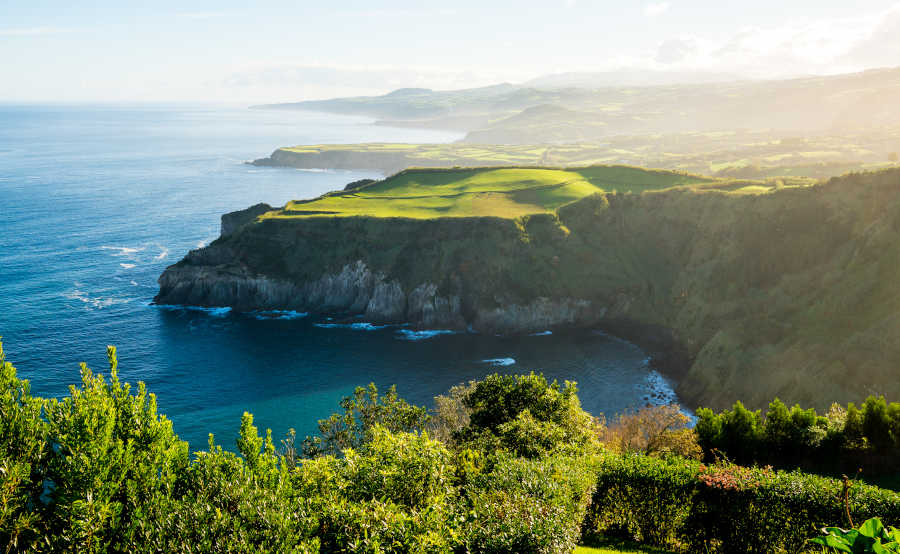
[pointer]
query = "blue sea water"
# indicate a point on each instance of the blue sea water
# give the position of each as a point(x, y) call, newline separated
point(95, 202)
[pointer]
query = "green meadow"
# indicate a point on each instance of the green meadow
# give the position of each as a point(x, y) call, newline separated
point(508, 192)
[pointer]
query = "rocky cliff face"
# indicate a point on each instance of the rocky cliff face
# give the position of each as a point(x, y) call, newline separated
point(744, 297)
point(356, 290)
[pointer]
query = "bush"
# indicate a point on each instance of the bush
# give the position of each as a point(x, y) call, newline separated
point(526, 416)
point(362, 412)
point(231, 503)
point(114, 464)
point(394, 494)
point(685, 505)
point(23, 447)
point(101, 471)
point(655, 431)
point(527, 505)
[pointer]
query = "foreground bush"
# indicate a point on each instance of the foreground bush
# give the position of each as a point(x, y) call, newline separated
point(685, 505)
point(525, 505)
point(520, 470)
point(395, 494)
point(101, 471)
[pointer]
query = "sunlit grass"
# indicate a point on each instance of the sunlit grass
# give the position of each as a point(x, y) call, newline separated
point(494, 192)
point(614, 547)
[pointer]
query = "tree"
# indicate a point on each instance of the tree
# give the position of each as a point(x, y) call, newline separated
point(893, 157)
point(655, 431)
point(854, 437)
point(362, 412)
point(512, 411)
point(876, 423)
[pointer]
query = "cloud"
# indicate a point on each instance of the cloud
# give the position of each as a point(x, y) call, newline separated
point(391, 14)
point(675, 50)
point(656, 8)
point(821, 46)
point(205, 15)
point(880, 46)
point(34, 31)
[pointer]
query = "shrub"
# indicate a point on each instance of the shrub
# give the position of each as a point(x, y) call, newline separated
point(655, 431)
point(23, 447)
point(362, 412)
point(642, 498)
point(227, 503)
point(394, 494)
point(450, 414)
point(513, 412)
point(685, 505)
point(525, 505)
point(113, 466)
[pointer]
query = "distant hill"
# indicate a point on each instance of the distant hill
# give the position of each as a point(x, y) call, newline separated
point(627, 78)
point(505, 113)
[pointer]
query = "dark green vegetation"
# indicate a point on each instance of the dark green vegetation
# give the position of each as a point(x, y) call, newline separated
point(687, 506)
point(508, 464)
point(788, 293)
point(510, 114)
point(101, 471)
point(843, 440)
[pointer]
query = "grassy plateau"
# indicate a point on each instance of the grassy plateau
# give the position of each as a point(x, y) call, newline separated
point(509, 192)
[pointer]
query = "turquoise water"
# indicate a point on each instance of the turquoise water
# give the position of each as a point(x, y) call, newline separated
point(95, 201)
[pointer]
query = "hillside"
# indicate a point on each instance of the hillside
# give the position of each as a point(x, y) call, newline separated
point(743, 154)
point(509, 193)
point(824, 104)
point(743, 291)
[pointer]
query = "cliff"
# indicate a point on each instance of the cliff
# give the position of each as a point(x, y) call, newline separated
point(788, 293)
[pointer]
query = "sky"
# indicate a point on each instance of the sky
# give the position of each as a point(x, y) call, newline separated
point(275, 51)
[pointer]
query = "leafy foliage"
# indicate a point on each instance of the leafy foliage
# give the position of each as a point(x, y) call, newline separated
point(654, 431)
point(871, 536)
point(526, 415)
point(23, 449)
point(687, 506)
point(528, 505)
point(851, 437)
point(362, 413)
point(102, 471)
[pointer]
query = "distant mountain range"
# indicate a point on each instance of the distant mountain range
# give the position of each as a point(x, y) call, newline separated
point(628, 78)
point(577, 107)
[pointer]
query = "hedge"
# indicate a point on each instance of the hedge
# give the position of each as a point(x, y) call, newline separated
point(686, 506)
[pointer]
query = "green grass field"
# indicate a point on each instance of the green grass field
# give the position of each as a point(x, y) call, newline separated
point(508, 192)
point(614, 547)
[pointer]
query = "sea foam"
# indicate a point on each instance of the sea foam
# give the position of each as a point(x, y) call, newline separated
point(406, 334)
point(502, 362)
point(218, 311)
point(359, 326)
point(278, 314)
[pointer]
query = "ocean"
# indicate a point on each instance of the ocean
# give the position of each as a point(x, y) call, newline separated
point(96, 201)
